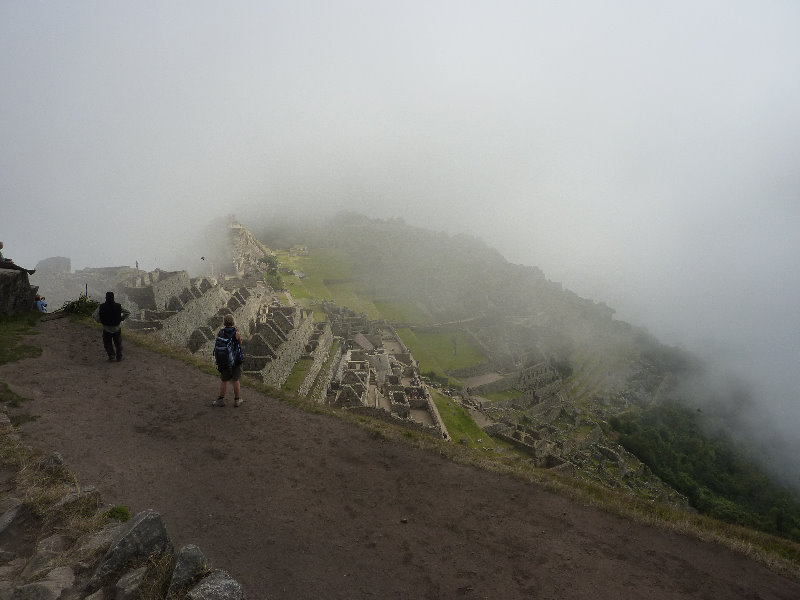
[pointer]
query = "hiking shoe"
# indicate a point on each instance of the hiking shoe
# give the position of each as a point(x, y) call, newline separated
point(119, 358)
point(237, 402)
point(110, 358)
point(218, 402)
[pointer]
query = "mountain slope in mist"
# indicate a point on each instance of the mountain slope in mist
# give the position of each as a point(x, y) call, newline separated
point(604, 379)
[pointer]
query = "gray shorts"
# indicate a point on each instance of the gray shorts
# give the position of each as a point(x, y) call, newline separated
point(231, 373)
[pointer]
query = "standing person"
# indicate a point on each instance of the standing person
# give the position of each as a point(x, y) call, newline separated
point(7, 263)
point(229, 357)
point(111, 315)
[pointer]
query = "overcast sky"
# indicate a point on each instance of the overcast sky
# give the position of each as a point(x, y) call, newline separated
point(643, 153)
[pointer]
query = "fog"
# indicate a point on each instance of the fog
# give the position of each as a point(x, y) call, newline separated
point(644, 154)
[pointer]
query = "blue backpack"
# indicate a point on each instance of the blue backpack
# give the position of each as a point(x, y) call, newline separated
point(227, 351)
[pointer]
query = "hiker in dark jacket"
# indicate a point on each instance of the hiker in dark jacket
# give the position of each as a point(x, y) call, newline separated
point(229, 372)
point(111, 315)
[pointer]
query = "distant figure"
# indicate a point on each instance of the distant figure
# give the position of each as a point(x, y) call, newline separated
point(7, 263)
point(229, 357)
point(39, 304)
point(111, 315)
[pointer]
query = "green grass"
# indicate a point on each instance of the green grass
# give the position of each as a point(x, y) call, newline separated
point(436, 351)
point(401, 311)
point(11, 331)
point(459, 423)
point(509, 394)
point(328, 276)
point(298, 375)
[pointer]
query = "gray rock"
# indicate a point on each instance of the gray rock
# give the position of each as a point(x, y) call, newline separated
point(100, 540)
point(38, 564)
point(217, 586)
point(143, 535)
point(9, 515)
point(49, 588)
point(8, 503)
point(188, 562)
point(54, 543)
point(79, 494)
point(52, 463)
point(127, 587)
point(47, 550)
point(16, 292)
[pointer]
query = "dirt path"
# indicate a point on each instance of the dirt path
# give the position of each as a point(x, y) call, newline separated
point(304, 506)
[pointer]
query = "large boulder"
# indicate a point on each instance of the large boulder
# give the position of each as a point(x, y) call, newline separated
point(16, 292)
point(144, 535)
point(218, 585)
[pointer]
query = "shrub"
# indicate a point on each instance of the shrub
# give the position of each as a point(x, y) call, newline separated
point(83, 306)
point(119, 513)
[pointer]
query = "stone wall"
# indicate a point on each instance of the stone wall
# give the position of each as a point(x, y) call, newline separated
point(319, 392)
point(178, 328)
point(382, 415)
point(276, 371)
point(168, 286)
point(323, 336)
point(16, 292)
point(509, 381)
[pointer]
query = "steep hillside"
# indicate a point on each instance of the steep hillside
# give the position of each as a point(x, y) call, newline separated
point(537, 366)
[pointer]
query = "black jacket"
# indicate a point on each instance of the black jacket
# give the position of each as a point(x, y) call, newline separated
point(111, 313)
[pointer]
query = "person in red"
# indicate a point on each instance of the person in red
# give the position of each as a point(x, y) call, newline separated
point(111, 315)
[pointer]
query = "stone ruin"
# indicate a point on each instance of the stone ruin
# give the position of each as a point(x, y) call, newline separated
point(350, 365)
point(16, 292)
point(371, 380)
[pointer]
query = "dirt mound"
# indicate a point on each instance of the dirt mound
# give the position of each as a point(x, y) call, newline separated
point(297, 505)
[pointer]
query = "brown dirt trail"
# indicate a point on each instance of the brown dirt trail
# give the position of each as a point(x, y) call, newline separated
point(296, 505)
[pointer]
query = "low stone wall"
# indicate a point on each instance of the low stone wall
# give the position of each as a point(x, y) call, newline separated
point(509, 381)
point(437, 418)
point(382, 415)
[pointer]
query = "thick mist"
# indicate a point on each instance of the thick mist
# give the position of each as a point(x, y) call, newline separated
point(644, 155)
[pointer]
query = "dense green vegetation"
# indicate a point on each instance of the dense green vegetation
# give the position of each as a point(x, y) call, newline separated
point(83, 306)
point(719, 480)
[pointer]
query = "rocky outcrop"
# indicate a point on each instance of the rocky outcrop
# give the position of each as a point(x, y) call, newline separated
point(16, 292)
point(122, 571)
point(110, 560)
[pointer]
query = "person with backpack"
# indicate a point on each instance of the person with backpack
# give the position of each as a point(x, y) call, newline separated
point(229, 357)
point(111, 315)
